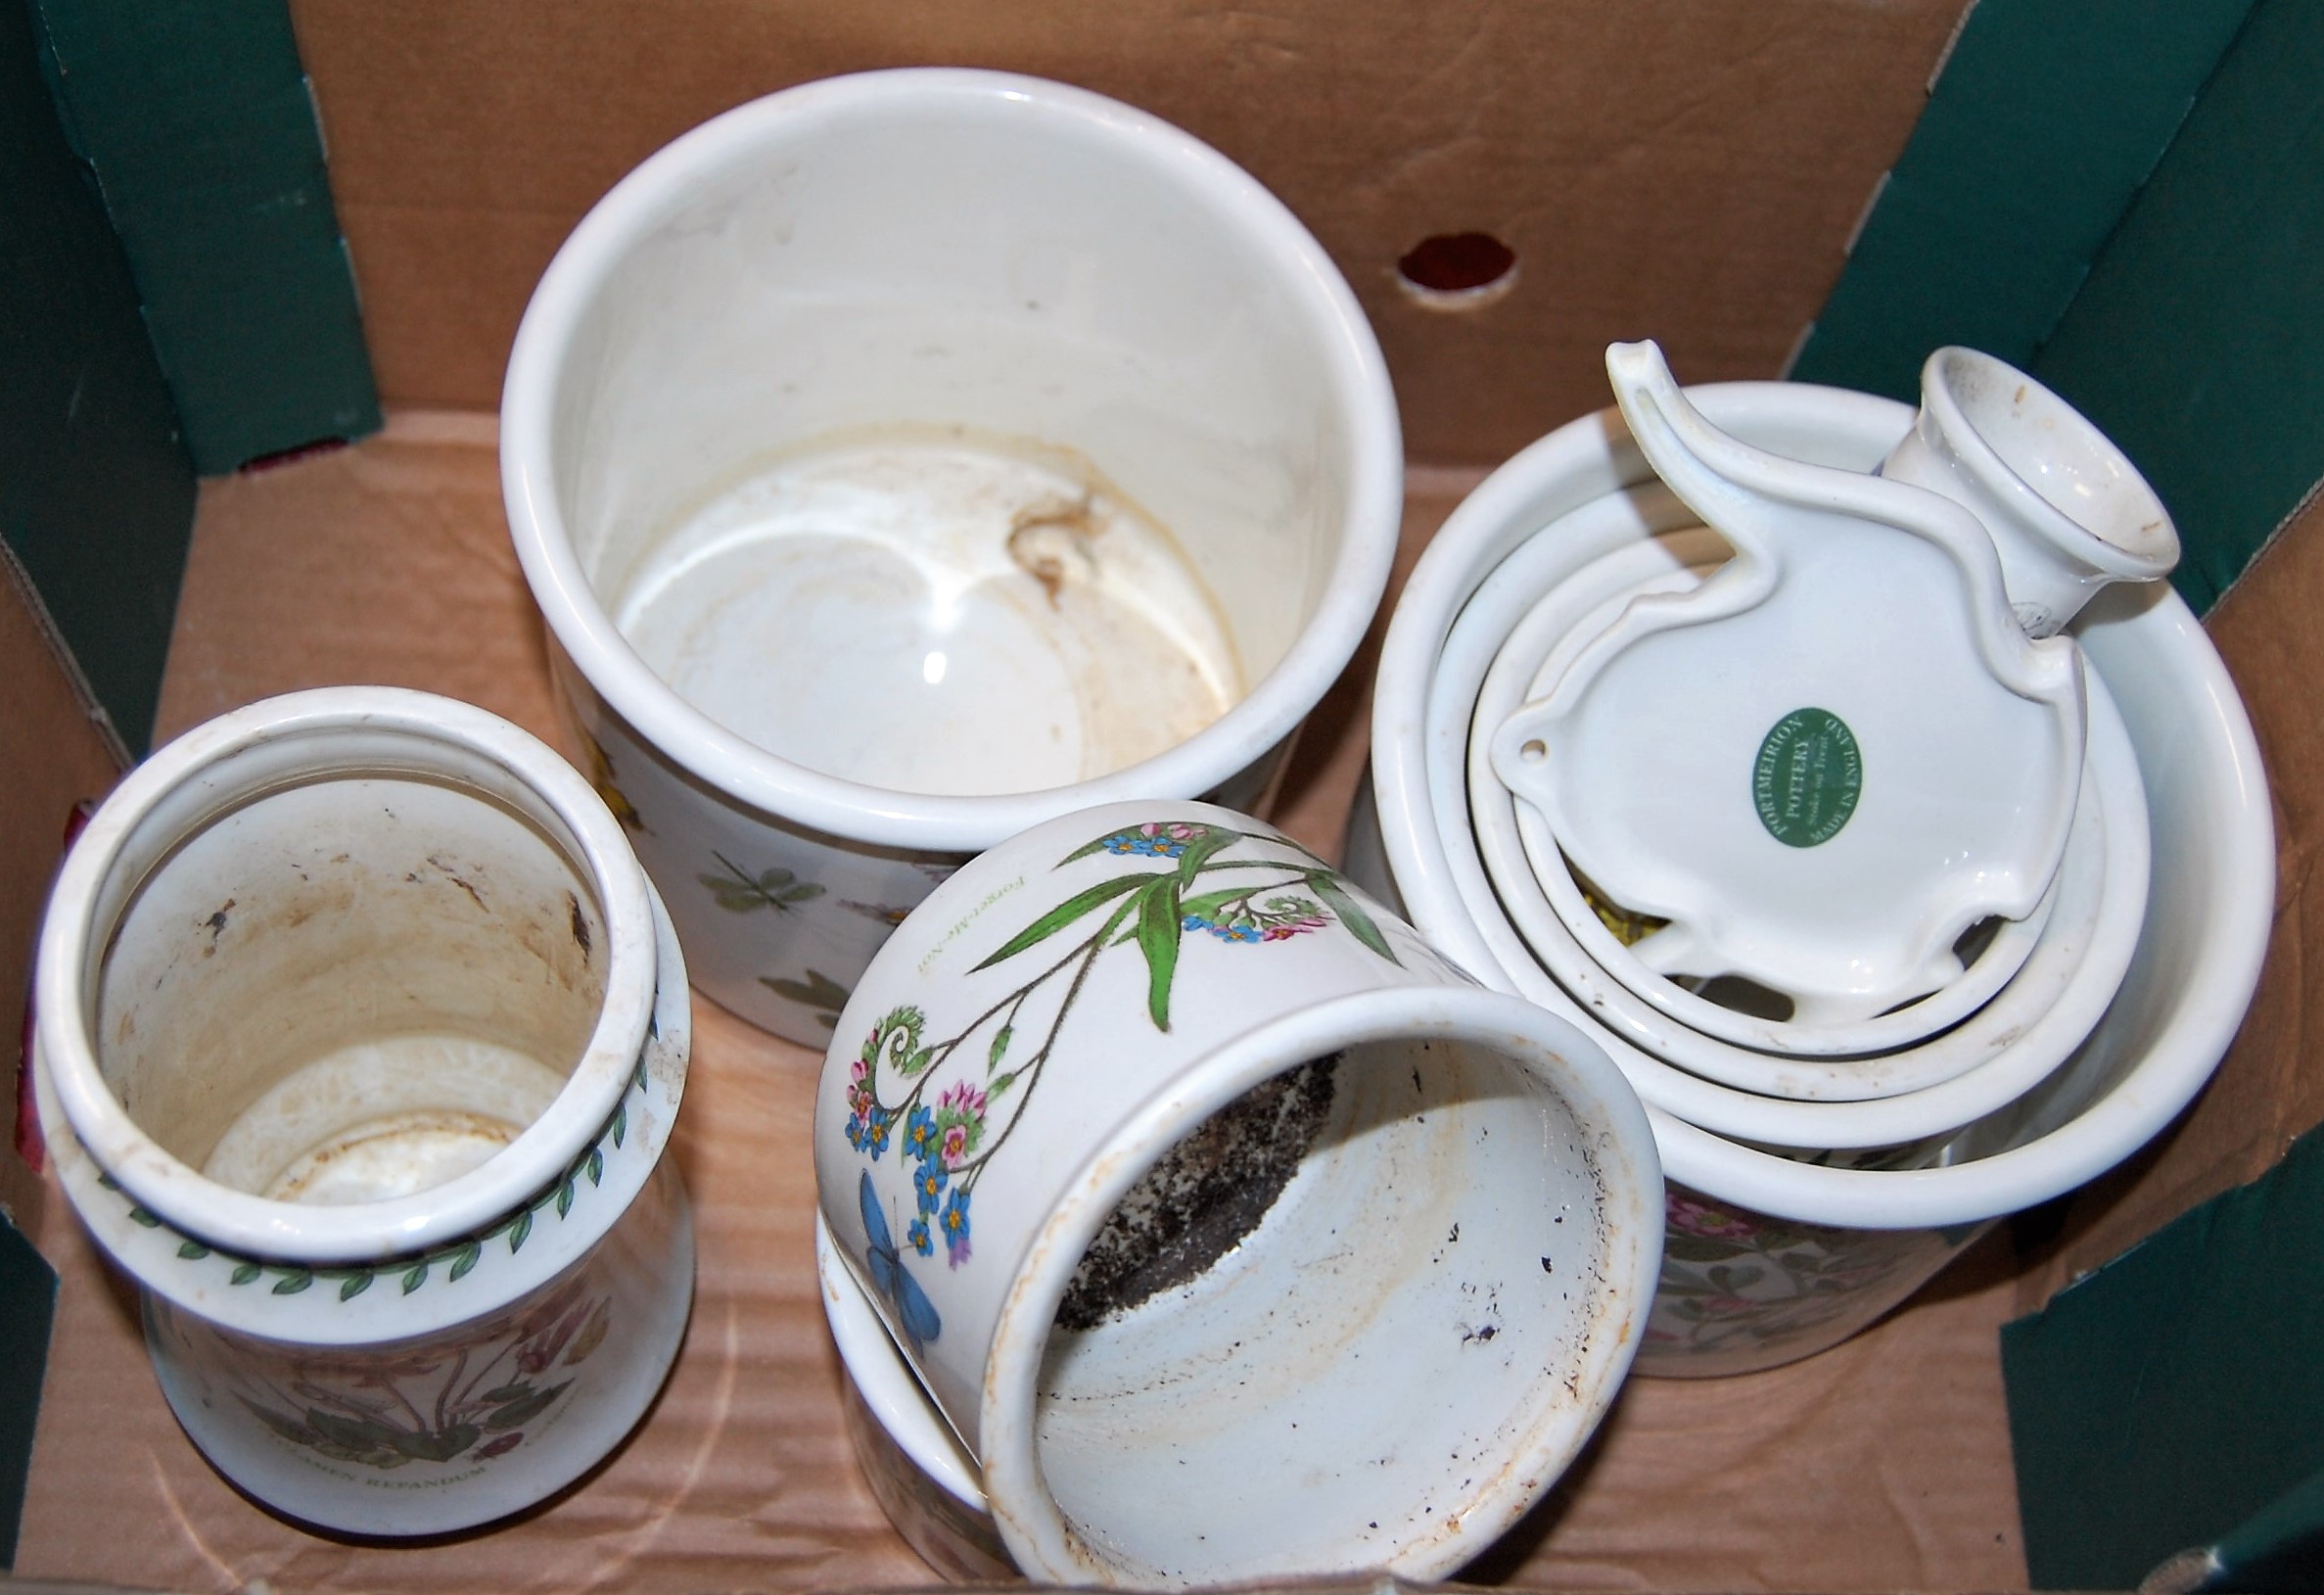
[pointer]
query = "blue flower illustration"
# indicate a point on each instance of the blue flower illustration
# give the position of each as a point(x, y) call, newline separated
point(955, 1228)
point(875, 1134)
point(919, 1134)
point(1154, 841)
point(928, 1183)
point(917, 1236)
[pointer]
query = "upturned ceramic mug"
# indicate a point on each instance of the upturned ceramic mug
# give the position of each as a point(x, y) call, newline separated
point(1235, 1233)
point(359, 1039)
point(904, 459)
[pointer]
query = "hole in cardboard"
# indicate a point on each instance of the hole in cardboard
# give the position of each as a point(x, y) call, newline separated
point(1458, 271)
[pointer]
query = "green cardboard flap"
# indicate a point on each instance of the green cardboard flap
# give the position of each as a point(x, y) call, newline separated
point(96, 492)
point(27, 1311)
point(2044, 121)
point(198, 124)
point(2174, 1398)
point(2198, 342)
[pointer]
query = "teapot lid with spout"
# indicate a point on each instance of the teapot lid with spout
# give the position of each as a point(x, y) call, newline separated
point(1828, 762)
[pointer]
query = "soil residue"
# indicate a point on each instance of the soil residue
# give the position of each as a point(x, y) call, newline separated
point(1205, 1195)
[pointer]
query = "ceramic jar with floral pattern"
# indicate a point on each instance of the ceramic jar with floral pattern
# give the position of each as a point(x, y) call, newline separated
point(909, 457)
point(360, 1035)
point(1235, 1233)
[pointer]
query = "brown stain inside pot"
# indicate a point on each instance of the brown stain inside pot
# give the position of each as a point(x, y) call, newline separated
point(1051, 543)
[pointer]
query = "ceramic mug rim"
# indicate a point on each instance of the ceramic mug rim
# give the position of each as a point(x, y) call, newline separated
point(238, 1220)
point(1977, 456)
point(876, 816)
point(1557, 1053)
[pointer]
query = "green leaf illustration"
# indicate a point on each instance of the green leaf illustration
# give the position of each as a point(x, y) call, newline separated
point(352, 1433)
point(1086, 849)
point(470, 1256)
point(1065, 914)
point(290, 1285)
point(1208, 904)
point(289, 1428)
point(1325, 885)
point(565, 1196)
point(621, 1122)
point(355, 1285)
point(518, 1231)
point(138, 1215)
point(415, 1278)
point(517, 1413)
point(438, 1445)
point(193, 1252)
point(998, 1084)
point(242, 1273)
point(739, 891)
point(1700, 1249)
point(999, 1049)
point(1307, 853)
point(597, 1165)
point(506, 1393)
point(1158, 920)
point(816, 991)
point(1202, 849)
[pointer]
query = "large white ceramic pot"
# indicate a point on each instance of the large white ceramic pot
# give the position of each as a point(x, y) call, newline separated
point(904, 459)
point(360, 1035)
point(1780, 1248)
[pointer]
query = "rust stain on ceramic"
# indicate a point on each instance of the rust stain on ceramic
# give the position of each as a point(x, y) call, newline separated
point(1048, 541)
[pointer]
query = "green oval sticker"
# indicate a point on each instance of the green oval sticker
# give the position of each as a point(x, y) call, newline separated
point(1807, 777)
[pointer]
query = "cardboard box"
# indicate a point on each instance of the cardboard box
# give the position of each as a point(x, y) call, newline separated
point(1686, 170)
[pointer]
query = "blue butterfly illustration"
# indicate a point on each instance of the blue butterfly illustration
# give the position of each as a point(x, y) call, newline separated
point(887, 1276)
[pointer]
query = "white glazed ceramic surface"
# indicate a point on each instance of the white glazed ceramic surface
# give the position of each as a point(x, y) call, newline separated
point(928, 1485)
point(1389, 1368)
point(2199, 948)
point(1547, 906)
point(1634, 1034)
point(1741, 1292)
point(2066, 510)
point(370, 1367)
point(906, 458)
point(1829, 760)
point(2081, 946)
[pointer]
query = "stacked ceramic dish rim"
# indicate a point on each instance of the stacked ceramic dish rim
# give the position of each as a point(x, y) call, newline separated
point(1815, 1187)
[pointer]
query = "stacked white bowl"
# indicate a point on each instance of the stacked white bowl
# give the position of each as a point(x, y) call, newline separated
point(1822, 1171)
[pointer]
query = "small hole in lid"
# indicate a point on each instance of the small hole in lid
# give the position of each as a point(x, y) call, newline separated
point(1454, 271)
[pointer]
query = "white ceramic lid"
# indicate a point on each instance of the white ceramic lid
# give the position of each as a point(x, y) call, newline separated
point(1827, 761)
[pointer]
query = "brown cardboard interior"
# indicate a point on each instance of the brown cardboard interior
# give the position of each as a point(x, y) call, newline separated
point(1881, 1465)
point(1662, 168)
point(1667, 169)
point(2271, 1086)
point(54, 756)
